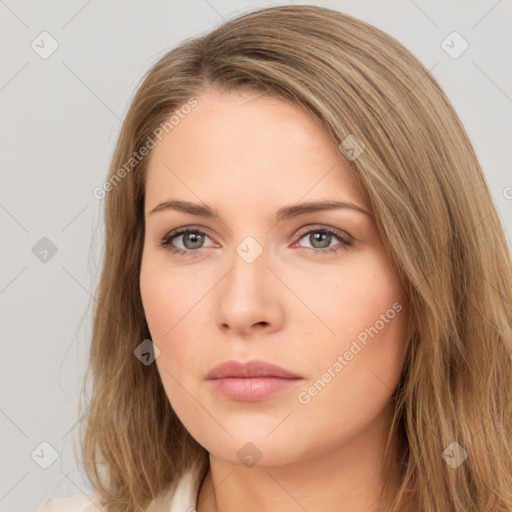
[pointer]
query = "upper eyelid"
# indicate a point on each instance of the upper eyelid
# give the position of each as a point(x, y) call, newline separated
point(336, 231)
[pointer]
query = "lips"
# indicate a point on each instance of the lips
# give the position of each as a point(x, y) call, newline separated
point(250, 381)
point(250, 369)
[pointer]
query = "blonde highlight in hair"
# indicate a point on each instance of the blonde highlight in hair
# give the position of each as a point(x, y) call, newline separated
point(436, 217)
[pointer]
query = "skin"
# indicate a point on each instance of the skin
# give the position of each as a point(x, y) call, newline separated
point(247, 155)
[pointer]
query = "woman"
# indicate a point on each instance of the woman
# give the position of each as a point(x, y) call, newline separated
point(306, 300)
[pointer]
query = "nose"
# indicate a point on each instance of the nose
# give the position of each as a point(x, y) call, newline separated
point(249, 298)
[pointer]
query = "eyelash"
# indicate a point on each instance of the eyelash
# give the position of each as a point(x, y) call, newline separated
point(166, 241)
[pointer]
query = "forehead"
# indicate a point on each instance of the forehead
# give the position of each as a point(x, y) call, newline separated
point(248, 147)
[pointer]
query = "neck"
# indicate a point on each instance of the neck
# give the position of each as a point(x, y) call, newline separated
point(347, 477)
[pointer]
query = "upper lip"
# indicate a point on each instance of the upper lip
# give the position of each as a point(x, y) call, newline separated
point(248, 369)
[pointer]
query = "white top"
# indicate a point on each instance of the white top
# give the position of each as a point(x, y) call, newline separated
point(181, 497)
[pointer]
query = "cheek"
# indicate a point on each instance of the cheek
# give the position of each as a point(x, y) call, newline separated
point(351, 382)
point(163, 298)
point(165, 314)
point(362, 357)
point(174, 324)
point(346, 299)
point(159, 304)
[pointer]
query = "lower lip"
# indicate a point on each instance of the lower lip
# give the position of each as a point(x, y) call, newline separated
point(253, 388)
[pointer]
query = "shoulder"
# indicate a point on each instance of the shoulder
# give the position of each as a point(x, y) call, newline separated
point(78, 503)
point(180, 496)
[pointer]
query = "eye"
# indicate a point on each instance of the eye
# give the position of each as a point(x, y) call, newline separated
point(192, 241)
point(320, 239)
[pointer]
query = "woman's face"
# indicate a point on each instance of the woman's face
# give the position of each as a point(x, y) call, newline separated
point(310, 290)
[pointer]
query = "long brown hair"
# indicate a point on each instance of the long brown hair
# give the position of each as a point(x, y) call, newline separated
point(436, 217)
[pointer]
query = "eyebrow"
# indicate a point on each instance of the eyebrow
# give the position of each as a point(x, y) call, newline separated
point(286, 212)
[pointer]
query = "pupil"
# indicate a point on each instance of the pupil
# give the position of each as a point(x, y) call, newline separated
point(322, 237)
point(195, 238)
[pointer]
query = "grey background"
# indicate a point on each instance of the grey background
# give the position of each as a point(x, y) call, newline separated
point(60, 120)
